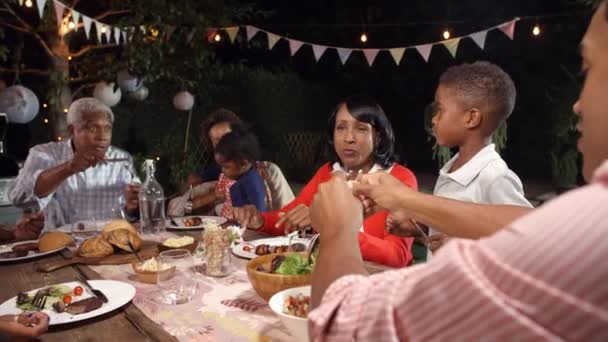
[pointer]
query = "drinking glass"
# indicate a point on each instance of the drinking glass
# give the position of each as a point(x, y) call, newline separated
point(84, 229)
point(180, 288)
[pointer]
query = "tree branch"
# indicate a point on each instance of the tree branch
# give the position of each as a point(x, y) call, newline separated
point(80, 89)
point(91, 48)
point(38, 72)
point(14, 27)
point(29, 29)
point(109, 13)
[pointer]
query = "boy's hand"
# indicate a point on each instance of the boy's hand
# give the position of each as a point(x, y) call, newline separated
point(436, 241)
point(401, 226)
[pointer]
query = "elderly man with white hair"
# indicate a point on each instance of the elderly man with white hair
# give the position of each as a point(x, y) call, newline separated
point(80, 178)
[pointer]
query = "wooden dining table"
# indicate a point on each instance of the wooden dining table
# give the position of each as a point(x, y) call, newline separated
point(128, 323)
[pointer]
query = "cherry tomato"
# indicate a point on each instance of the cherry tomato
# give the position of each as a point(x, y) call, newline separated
point(247, 248)
point(67, 299)
point(78, 291)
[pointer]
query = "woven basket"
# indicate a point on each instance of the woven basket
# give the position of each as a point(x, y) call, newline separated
point(267, 284)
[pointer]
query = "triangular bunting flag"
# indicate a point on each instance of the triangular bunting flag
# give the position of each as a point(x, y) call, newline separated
point(117, 35)
point(232, 32)
point(425, 51)
point(509, 28)
point(318, 51)
point(272, 40)
point(397, 54)
point(40, 4)
point(98, 27)
point(20, 2)
point(124, 36)
point(344, 54)
point(251, 31)
point(108, 33)
point(452, 46)
point(75, 18)
point(370, 55)
point(480, 38)
point(87, 25)
point(294, 46)
point(169, 33)
point(59, 7)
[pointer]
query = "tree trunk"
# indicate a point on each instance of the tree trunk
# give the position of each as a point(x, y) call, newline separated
point(59, 95)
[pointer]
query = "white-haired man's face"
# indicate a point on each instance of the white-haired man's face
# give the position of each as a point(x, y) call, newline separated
point(93, 133)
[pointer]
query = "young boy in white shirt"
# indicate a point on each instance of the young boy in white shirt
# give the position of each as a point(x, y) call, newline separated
point(471, 102)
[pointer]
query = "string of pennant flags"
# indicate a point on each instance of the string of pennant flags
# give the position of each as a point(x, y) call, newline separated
point(120, 35)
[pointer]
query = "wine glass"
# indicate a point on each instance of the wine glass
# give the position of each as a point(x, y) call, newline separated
point(84, 229)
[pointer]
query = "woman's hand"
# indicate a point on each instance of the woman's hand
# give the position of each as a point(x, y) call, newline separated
point(31, 324)
point(248, 216)
point(402, 226)
point(381, 191)
point(296, 218)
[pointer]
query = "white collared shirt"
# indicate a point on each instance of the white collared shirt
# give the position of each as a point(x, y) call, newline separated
point(92, 193)
point(485, 179)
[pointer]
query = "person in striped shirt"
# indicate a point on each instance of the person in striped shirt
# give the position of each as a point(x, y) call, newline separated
point(532, 274)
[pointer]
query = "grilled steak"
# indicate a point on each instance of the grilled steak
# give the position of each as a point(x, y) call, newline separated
point(11, 255)
point(30, 246)
point(84, 305)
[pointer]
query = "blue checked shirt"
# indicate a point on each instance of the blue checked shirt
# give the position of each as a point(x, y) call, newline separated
point(96, 193)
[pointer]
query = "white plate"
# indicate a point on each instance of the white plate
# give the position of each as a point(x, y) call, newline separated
point(30, 255)
point(276, 241)
point(206, 220)
point(118, 294)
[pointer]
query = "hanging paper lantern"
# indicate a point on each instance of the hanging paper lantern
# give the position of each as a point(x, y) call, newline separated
point(140, 94)
point(105, 93)
point(183, 101)
point(128, 82)
point(19, 103)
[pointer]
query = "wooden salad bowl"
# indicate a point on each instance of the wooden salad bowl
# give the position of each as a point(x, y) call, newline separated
point(267, 284)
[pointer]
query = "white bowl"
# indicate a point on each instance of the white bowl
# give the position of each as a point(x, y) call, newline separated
point(298, 327)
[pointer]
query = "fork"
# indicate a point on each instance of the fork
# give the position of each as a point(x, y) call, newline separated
point(39, 301)
point(95, 292)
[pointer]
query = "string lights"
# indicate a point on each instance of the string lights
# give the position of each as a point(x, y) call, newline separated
point(536, 30)
point(217, 37)
point(28, 3)
point(446, 35)
point(363, 38)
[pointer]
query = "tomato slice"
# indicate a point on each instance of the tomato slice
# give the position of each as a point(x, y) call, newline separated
point(78, 291)
point(67, 299)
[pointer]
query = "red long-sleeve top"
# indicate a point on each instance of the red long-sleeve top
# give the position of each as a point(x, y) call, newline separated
point(375, 243)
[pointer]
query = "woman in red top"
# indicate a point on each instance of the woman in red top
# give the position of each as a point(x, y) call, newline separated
point(362, 139)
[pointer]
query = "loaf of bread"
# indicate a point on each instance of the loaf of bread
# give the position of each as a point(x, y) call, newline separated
point(54, 240)
point(95, 248)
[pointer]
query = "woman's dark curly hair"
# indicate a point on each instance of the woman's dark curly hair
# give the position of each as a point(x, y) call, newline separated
point(219, 115)
point(239, 145)
point(369, 111)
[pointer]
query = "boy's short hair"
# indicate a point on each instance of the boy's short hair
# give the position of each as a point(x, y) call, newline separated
point(485, 86)
point(239, 145)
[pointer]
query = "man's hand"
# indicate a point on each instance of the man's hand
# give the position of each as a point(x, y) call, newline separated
point(132, 197)
point(83, 160)
point(29, 226)
point(335, 210)
point(381, 191)
point(25, 325)
point(248, 216)
point(296, 218)
point(401, 226)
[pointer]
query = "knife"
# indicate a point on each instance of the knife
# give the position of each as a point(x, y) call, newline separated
point(96, 293)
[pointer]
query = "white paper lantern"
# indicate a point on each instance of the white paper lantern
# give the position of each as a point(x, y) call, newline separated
point(140, 94)
point(183, 101)
point(128, 82)
point(19, 103)
point(105, 93)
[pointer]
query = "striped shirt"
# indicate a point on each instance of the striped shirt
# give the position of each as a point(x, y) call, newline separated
point(97, 192)
point(541, 278)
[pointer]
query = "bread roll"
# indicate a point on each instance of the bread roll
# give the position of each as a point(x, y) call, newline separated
point(95, 247)
point(54, 240)
point(118, 224)
point(121, 237)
